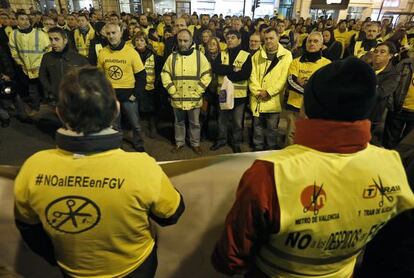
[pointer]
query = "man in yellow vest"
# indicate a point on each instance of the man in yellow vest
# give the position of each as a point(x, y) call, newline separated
point(235, 64)
point(267, 83)
point(342, 35)
point(124, 69)
point(85, 206)
point(27, 46)
point(300, 71)
point(309, 209)
point(83, 35)
point(367, 46)
point(186, 75)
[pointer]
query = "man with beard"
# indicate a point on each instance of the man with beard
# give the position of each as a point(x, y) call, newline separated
point(300, 71)
point(186, 75)
point(366, 46)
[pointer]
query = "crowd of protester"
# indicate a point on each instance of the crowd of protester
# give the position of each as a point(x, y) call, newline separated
point(37, 50)
point(338, 85)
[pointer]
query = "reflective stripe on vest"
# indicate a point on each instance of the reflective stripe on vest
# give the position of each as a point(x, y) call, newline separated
point(240, 88)
point(82, 43)
point(150, 69)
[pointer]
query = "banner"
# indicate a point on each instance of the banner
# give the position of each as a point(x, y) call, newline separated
point(208, 186)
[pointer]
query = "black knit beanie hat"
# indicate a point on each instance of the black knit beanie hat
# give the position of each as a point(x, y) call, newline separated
point(344, 90)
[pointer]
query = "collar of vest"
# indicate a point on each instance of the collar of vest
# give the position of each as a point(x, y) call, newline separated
point(26, 31)
point(368, 44)
point(186, 52)
point(86, 144)
point(118, 47)
point(310, 57)
point(333, 136)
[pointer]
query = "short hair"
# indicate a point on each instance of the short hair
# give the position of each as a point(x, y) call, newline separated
point(87, 101)
point(234, 32)
point(271, 29)
point(391, 47)
point(114, 14)
point(20, 13)
point(58, 30)
point(263, 26)
point(315, 33)
point(112, 24)
point(186, 31)
point(84, 15)
point(140, 34)
point(372, 23)
point(207, 31)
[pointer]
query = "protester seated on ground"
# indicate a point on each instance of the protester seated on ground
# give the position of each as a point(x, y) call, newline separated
point(110, 194)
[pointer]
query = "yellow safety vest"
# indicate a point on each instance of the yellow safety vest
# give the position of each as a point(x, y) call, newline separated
point(81, 43)
point(28, 49)
point(303, 70)
point(240, 88)
point(8, 30)
point(186, 78)
point(150, 70)
point(158, 47)
point(331, 209)
point(273, 81)
point(113, 205)
point(359, 51)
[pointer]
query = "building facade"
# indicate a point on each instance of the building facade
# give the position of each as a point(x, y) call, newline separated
point(357, 9)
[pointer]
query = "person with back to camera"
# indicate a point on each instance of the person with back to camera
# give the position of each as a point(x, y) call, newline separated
point(85, 205)
point(309, 210)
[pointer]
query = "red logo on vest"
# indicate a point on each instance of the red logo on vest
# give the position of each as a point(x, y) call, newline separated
point(313, 198)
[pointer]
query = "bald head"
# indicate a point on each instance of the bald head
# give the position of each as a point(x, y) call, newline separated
point(180, 24)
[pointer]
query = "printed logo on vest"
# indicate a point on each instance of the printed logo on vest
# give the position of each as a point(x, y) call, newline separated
point(72, 214)
point(313, 198)
point(378, 188)
point(115, 72)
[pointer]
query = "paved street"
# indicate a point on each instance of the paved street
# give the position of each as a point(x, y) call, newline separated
point(20, 140)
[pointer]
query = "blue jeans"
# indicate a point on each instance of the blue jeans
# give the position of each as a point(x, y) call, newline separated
point(265, 127)
point(130, 110)
point(194, 120)
point(231, 119)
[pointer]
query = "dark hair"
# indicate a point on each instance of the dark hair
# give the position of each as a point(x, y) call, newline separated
point(391, 46)
point(271, 29)
point(87, 101)
point(58, 30)
point(84, 15)
point(263, 26)
point(234, 32)
point(20, 13)
point(168, 29)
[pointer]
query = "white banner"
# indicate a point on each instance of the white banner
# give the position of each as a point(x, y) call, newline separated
point(208, 185)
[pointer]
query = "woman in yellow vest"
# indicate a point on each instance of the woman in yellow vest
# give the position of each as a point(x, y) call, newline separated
point(149, 99)
point(310, 209)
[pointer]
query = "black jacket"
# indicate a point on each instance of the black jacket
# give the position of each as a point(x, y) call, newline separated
point(55, 65)
point(387, 83)
point(405, 68)
point(332, 51)
point(6, 63)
